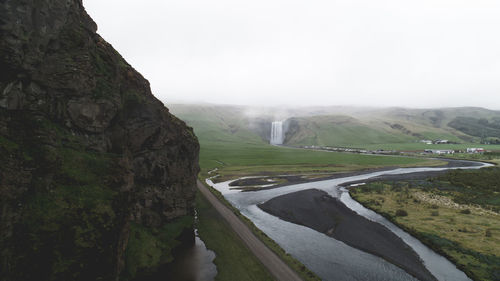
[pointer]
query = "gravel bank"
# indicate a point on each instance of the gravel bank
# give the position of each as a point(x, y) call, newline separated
point(317, 210)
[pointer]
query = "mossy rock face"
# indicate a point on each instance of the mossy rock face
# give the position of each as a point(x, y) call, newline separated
point(149, 247)
point(97, 178)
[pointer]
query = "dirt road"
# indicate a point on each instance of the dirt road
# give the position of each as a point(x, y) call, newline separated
point(271, 261)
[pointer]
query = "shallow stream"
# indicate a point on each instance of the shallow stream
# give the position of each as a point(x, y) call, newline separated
point(331, 259)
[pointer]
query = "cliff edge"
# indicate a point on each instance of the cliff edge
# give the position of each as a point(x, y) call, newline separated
point(97, 178)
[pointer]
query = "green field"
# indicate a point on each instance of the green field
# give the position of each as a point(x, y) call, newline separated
point(234, 160)
point(457, 215)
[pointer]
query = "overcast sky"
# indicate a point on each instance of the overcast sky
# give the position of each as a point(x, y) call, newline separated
point(418, 53)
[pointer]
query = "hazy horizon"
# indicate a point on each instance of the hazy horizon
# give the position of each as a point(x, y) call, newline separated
point(425, 54)
point(298, 106)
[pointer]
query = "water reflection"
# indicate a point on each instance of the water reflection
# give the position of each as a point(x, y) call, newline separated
point(191, 263)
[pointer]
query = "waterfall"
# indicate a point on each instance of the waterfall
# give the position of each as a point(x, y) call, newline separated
point(277, 132)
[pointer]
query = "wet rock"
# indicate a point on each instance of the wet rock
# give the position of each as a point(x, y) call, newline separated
point(91, 116)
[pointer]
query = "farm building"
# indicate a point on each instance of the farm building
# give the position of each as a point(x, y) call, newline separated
point(440, 151)
point(475, 150)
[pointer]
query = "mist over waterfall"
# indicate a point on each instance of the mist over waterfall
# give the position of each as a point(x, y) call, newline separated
point(277, 132)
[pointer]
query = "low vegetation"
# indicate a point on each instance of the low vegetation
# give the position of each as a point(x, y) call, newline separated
point(149, 247)
point(456, 214)
point(76, 215)
point(480, 187)
point(479, 127)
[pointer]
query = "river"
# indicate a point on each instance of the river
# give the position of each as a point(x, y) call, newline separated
point(331, 259)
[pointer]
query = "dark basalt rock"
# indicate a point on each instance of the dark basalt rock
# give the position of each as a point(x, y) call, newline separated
point(92, 165)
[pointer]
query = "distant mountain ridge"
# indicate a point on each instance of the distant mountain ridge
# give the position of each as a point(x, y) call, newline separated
point(342, 125)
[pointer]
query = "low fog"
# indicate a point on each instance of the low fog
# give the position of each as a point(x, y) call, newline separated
point(429, 53)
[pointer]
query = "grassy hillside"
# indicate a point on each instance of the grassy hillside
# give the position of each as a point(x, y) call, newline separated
point(218, 123)
point(230, 143)
point(235, 139)
point(394, 125)
point(369, 128)
point(479, 127)
point(340, 130)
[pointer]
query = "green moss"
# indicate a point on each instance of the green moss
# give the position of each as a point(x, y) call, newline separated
point(77, 192)
point(105, 71)
point(121, 62)
point(74, 212)
point(69, 222)
point(13, 147)
point(85, 167)
point(74, 37)
point(131, 99)
point(7, 144)
point(150, 247)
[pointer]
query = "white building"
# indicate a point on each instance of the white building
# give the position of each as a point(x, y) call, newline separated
point(475, 150)
point(440, 151)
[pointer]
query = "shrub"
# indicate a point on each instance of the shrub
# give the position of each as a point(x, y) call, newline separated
point(401, 213)
point(434, 213)
point(466, 211)
point(487, 233)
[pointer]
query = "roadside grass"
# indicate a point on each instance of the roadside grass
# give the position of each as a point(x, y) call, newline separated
point(468, 235)
point(296, 265)
point(233, 260)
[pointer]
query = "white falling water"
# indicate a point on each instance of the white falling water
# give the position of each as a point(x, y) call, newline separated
point(277, 132)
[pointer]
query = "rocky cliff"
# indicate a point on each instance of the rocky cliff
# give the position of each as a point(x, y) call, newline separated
point(97, 178)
